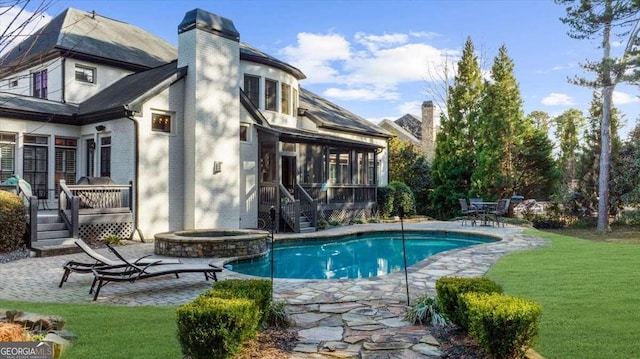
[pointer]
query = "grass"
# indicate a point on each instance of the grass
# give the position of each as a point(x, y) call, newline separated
point(113, 332)
point(588, 290)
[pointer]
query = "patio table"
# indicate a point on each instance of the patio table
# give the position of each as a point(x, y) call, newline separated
point(484, 209)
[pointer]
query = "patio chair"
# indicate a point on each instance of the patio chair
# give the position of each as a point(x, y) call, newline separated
point(470, 213)
point(133, 272)
point(502, 209)
point(102, 261)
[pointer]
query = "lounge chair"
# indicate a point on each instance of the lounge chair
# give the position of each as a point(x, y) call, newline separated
point(133, 272)
point(102, 261)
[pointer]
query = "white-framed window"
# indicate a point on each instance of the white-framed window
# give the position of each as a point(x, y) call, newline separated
point(252, 89)
point(161, 122)
point(244, 133)
point(270, 95)
point(39, 82)
point(7, 155)
point(285, 96)
point(13, 83)
point(105, 156)
point(85, 74)
point(35, 164)
point(294, 101)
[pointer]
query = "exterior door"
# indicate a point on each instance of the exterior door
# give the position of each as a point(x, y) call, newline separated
point(289, 173)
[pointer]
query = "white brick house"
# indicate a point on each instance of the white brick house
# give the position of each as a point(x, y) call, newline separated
point(211, 134)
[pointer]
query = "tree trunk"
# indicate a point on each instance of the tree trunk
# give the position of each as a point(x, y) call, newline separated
point(605, 125)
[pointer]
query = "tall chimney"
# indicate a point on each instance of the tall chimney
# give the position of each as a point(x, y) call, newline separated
point(428, 131)
point(208, 45)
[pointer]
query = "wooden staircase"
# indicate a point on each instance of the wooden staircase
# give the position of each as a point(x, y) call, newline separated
point(305, 225)
point(53, 237)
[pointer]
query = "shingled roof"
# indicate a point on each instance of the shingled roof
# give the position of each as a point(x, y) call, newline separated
point(411, 124)
point(89, 35)
point(329, 115)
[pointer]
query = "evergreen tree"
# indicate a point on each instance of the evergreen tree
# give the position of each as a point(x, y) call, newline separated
point(408, 164)
point(500, 131)
point(455, 143)
point(540, 120)
point(536, 173)
point(604, 20)
point(567, 131)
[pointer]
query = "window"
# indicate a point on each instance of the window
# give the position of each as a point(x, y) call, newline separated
point(7, 155)
point(294, 101)
point(285, 95)
point(85, 74)
point(252, 89)
point(161, 123)
point(105, 157)
point(270, 95)
point(339, 166)
point(13, 83)
point(65, 161)
point(244, 133)
point(35, 164)
point(39, 80)
point(313, 158)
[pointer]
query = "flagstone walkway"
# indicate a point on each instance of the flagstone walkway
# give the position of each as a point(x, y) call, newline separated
point(355, 318)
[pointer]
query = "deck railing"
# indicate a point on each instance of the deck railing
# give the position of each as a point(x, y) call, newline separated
point(308, 205)
point(290, 209)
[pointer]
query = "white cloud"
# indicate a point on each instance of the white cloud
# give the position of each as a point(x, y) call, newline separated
point(424, 34)
point(8, 14)
point(369, 67)
point(621, 98)
point(557, 99)
point(557, 68)
point(412, 107)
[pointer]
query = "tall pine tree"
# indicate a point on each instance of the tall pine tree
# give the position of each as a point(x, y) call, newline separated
point(500, 131)
point(455, 147)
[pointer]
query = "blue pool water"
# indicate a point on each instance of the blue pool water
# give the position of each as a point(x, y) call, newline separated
point(354, 256)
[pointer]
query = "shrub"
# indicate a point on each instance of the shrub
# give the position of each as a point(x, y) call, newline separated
point(356, 220)
point(402, 196)
point(548, 222)
point(113, 239)
point(504, 326)
point(258, 290)
point(425, 310)
point(322, 224)
point(277, 315)
point(12, 217)
point(385, 201)
point(449, 290)
point(629, 217)
point(215, 327)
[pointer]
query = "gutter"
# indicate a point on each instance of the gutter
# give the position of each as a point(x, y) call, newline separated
point(136, 151)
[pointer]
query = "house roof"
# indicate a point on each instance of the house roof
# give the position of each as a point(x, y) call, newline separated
point(124, 95)
point(331, 116)
point(289, 134)
point(129, 90)
point(411, 124)
point(250, 53)
point(398, 131)
point(88, 35)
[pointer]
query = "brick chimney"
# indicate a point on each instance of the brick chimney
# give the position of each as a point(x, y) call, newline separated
point(428, 131)
point(208, 45)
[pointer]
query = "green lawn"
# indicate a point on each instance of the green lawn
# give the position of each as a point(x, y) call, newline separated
point(114, 332)
point(589, 291)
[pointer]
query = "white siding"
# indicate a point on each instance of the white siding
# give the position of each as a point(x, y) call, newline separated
point(212, 112)
point(54, 80)
point(77, 91)
point(248, 175)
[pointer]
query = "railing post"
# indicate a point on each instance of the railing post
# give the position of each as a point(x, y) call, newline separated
point(131, 195)
point(33, 220)
point(75, 209)
point(314, 203)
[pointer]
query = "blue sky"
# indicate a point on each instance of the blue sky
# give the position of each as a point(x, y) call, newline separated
point(381, 59)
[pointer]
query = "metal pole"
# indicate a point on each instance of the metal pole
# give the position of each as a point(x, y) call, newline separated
point(404, 251)
point(272, 215)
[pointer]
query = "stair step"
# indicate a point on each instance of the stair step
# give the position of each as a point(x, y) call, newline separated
point(49, 218)
point(42, 227)
point(53, 234)
point(307, 229)
point(54, 247)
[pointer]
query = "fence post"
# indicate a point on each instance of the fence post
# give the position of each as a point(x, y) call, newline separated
point(296, 210)
point(33, 220)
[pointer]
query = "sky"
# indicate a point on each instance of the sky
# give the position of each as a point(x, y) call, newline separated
point(382, 59)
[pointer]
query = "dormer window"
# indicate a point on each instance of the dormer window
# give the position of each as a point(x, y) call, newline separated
point(85, 74)
point(39, 81)
point(270, 95)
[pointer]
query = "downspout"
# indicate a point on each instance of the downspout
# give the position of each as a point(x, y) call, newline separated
point(64, 100)
point(136, 212)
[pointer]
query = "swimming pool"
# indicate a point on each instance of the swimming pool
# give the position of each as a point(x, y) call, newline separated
point(361, 255)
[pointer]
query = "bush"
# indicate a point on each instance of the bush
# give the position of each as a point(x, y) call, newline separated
point(402, 196)
point(425, 311)
point(258, 290)
point(629, 217)
point(277, 315)
point(548, 222)
point(214, 327)
point(12, 217)
point(385, 201)
point(449, 290)
point(504, 326)
point(322, 224)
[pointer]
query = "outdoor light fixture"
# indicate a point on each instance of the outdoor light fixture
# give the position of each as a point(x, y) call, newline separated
point(217, 167)
point(100, 128)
